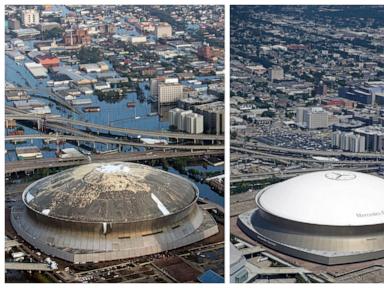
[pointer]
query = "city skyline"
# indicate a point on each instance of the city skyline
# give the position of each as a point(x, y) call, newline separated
point(114, 163)
point(193, 143)
point(307, 87)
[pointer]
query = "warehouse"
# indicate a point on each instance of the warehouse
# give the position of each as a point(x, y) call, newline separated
point(37, 70)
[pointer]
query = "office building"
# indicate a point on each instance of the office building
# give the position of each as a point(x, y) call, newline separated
point(312, 117)
point(213, 114)
point(348, 141)
point(169, 93)
point(186, 120)
point(30, 17)
point(374, 137)
point(194, 123)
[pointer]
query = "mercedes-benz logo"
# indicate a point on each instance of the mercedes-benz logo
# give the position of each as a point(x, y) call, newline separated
point(340, 176)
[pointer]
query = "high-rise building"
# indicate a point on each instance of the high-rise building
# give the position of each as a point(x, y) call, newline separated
point(30, 17)
point(357, 144)
point(173, 116)
point(336, 139)
point(348, 141)
point(154, 84)
point(316, 118)
point(300, 115)
point(13, 24)
point(374, 137)
point(213, 114)
point(186, 120)
point(181, 119)
point(169, 92)
point(163, 30)
point(311, 117)
point(194, 123)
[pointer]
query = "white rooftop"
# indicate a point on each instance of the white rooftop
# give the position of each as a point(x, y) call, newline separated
point(336, 197)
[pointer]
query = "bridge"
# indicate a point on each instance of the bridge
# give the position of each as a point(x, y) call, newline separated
point(27, 266)
point(30, 165)
point(21, 115)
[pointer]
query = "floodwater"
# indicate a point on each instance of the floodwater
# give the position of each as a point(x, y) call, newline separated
point(115, 113)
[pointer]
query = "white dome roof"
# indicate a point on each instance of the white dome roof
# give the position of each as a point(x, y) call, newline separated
point(336, 198)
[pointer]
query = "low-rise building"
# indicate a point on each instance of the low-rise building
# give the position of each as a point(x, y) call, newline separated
point(28, 152)
point(163, 30)
point(47, 60)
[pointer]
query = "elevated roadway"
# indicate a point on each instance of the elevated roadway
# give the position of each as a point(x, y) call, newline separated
point(106, 140)
point(277, 149)
point(299, 158)
point(11, 243)
point(27, 266)
point(16, 115)
point(254, 270)
point(291, 173)
point(30, 165)
point(49, 94)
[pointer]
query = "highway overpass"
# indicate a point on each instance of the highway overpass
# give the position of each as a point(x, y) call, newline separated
point(292, 173)
point(18, 115)
point(30, 165)
point(27, 266)
point(277, 149)
point(107, 140)
point(301, 158)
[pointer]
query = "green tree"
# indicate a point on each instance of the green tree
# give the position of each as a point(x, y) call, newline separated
point(270, 114)
point(89, 55)
point(53, 33)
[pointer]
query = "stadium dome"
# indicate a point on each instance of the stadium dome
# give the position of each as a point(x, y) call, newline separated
point(329, 217)
point(109, 211)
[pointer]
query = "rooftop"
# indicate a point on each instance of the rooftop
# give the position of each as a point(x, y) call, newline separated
point(115, 192)
point(334, 197)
